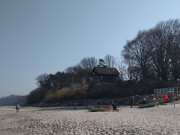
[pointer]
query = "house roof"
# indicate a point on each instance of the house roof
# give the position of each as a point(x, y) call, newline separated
point(105, 71)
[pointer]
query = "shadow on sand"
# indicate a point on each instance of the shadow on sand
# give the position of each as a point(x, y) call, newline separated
point(63, 108)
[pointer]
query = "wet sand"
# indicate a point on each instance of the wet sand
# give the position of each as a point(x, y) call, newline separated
point(164, 120)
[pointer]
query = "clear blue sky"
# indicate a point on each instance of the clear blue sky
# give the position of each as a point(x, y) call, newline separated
point(46, 36)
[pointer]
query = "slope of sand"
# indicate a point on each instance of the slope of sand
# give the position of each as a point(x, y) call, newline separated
point(65, 121)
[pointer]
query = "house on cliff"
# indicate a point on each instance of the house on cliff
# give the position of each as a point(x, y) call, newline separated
point(104, 74)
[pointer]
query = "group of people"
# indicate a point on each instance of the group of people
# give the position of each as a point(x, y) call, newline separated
point(114, 105)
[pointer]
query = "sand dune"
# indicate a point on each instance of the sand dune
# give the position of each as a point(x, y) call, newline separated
point(65, 121)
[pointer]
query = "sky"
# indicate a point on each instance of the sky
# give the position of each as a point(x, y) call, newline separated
point(47, 36)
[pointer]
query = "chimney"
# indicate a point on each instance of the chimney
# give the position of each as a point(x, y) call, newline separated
point(101, 63)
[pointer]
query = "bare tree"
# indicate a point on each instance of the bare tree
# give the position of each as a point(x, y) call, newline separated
point(88, 64)
point(42, 80)
point(110, 61)
point(123, 73)
point(166, 54)
point(156, 51)
point(137, 53)
point(70, 70)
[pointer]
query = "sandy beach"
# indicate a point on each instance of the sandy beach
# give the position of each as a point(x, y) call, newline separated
point(163, 120)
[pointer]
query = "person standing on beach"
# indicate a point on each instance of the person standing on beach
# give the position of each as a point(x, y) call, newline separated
point(131, 100)
point(114, 106)
point(75, 105)
point(112, 103)
point(17, 108)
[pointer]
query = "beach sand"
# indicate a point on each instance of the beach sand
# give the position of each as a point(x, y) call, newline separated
point(162, 120)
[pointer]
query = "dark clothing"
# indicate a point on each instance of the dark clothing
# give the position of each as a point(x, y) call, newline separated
point(131, 103)
point(114, 106)
point(17, 108)
point(75, 106)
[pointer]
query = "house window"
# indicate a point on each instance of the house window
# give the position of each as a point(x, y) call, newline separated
point(101, 78)
point(96, 78)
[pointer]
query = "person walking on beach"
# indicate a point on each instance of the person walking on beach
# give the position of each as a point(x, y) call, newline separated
point(75, 105)
point(114, 105)
point(131, 100)
point(17, 108)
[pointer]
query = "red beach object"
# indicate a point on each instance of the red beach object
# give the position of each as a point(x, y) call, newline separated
point(165, 96)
